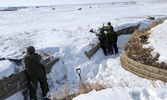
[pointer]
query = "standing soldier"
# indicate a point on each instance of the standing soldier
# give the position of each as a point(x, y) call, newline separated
point(35, 72)
point(106, 28)
point(104, 42)
point(112, 36)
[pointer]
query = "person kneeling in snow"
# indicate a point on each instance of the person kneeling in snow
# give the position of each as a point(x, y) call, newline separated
point(35, 72)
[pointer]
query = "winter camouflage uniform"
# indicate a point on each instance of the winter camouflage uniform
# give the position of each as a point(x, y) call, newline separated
point(104, 42)
point(112, 36)
point(35, 72)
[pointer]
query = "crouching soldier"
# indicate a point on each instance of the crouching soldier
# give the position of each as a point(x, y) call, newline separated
point(35, 72)
point(104, 42)
point(112, 36)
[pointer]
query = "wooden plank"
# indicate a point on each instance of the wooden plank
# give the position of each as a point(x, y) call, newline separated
point(47, 60)
point(49, 66)
point(13, 85)
point(11, 92)
point(128, 30)
point(90, 53)
point(5, 81)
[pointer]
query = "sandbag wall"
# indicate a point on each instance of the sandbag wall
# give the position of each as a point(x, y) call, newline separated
point(17, 82)
point(142, 70)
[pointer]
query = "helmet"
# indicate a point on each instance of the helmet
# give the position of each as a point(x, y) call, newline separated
point(30, 49)
point(109, 23)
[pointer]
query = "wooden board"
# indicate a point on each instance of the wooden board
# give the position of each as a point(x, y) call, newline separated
point(90, 53)
point(50, 65)
point(128, 30)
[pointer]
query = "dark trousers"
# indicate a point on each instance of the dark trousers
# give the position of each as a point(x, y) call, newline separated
point(114, 45)
point(110, 49)
point(33, 82)
point(104, 49)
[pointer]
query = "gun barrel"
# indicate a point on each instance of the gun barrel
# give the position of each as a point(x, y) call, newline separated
point(2, 58)
point(18, 61)
point(15, 60)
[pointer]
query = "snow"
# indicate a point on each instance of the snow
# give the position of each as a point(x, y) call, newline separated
point(6, 3)
point(6, 68)
point(17, 96)
point(158, 41)
point(119, 93)
point(64, 33)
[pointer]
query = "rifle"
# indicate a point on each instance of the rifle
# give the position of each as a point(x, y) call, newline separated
point(104, 27)
point(2, 58)
point(17, 61)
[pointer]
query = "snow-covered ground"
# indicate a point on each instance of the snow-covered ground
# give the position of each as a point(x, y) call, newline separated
point(7, 3)
point(158, 41)
point(64, 32)
point(126, 93)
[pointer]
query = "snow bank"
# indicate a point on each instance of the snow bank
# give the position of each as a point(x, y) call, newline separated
point(119, 93)
point(16, 96)
point(6, 68)
point(158, 41)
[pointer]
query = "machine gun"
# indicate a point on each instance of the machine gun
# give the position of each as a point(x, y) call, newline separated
point(17, 61)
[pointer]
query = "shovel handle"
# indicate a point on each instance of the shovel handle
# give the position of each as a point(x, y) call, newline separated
point(78, 70)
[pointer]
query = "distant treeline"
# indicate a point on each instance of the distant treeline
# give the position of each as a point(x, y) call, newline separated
point(89, 4)
point(11, 8)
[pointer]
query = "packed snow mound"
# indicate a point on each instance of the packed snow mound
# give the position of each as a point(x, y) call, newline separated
point(7, 68)
point(125, 94)
point(157, 40)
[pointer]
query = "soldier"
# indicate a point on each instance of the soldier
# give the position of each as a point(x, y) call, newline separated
point(104, 42)
point(112, 36)
point(107, 27)
point(35, 72)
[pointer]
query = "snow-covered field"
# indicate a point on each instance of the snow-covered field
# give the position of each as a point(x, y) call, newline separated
point(64, 32)
point(7, 3)
point(119, 93)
